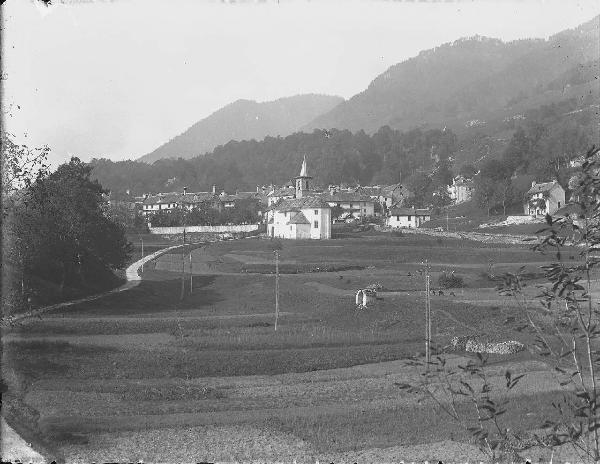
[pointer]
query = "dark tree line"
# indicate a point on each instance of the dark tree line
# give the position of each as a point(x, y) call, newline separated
point(58, 238)
point(334, 157)
point(510, 152)
point(541, 148)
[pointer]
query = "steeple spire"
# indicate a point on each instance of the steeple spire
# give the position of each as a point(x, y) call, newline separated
point(303, 171)
point(302, 186)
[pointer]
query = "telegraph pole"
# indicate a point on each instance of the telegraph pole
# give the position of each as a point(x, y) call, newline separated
point(183, 251)
point(427, 314)
point(276, 287)
point(191, 275)
point(142, 239)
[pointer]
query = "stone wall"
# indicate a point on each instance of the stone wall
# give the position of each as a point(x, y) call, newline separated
point(206, 229)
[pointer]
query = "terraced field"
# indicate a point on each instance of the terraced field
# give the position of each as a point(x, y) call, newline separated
point(144, 374)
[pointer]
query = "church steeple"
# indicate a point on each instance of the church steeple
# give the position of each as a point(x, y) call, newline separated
point(303, 171)
point(302, 184)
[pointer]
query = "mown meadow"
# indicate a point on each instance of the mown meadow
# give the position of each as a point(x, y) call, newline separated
point(147, 359)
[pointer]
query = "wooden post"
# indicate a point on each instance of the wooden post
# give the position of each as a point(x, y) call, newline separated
point(427, 314)
point(276, 287)
point(142, 239)
point(183, 262)
point(191, 275)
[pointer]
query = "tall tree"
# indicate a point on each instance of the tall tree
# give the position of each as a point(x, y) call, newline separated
point(63, 233)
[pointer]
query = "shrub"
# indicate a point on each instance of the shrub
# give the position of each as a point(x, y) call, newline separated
point(397, 233)
point(450, 280)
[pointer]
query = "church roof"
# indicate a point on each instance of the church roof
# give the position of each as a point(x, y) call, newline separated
point(298, 218)
point(296, 204)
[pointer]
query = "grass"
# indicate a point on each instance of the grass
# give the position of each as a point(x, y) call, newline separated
point(166, 353)
point(398, 426)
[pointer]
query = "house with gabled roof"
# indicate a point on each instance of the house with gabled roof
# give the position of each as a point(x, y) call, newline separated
point(282, 193)
point(393, 195)
point(355, 204)
point(544, 198)
point(409, 218)
point(306, 216)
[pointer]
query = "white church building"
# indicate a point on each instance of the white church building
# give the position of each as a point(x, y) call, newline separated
point(306, 216)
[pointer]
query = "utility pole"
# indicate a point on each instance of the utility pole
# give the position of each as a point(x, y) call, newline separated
point(142, 239)
point(276, 287)
point(191, 275)
point(427, 314)
point(183, 251)
point(447, 226)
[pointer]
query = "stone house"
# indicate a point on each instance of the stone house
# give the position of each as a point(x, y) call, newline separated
point(544, 198)
point(461, 190)
point(409, 218)
point(283, 193)
point(393, 195)
point(354, 204)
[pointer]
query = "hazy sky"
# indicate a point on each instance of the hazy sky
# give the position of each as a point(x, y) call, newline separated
point(118, 78)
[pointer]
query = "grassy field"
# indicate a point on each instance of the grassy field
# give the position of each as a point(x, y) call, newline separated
point(102, 375)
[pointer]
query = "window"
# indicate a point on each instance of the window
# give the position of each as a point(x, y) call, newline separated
point(316, 225)
point(559, 204)
point(350, 205)
point(290, 227)
point(397, 218)
point(317, 211)
point(409, 218)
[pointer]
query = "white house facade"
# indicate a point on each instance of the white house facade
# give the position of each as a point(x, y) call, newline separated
point(407, 218)
point(544, 198)
point(461, 190)
point(301, 218)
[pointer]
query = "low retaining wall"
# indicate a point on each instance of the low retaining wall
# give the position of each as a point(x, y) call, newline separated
point(474, 345)
point(205, 229)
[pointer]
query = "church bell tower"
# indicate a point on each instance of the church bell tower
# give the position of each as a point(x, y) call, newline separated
point(302, 181)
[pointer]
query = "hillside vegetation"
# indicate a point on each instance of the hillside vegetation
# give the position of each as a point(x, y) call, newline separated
point(531, 105)
point(472, 79)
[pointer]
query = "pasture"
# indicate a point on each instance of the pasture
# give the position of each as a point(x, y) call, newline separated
point(143, 374)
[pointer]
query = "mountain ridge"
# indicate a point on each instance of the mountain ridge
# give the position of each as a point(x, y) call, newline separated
point(244, 119)
point(462, 80)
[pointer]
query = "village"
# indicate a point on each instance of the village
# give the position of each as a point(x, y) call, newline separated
point(277, 207)
point(300, 232)
point(300, 210)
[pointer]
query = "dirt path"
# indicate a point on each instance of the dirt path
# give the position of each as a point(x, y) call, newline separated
point(15, 449)
point(131, 274)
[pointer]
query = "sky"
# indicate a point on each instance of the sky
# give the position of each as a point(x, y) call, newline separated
point(118, 78)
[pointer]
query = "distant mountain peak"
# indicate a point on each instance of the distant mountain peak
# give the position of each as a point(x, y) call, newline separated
point(245, 119)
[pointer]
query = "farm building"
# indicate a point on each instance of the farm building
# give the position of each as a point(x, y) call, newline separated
point(409, 218)
point(544, 198)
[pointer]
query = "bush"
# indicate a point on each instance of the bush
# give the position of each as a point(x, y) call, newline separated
point(450, 280)
point(397, 233)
